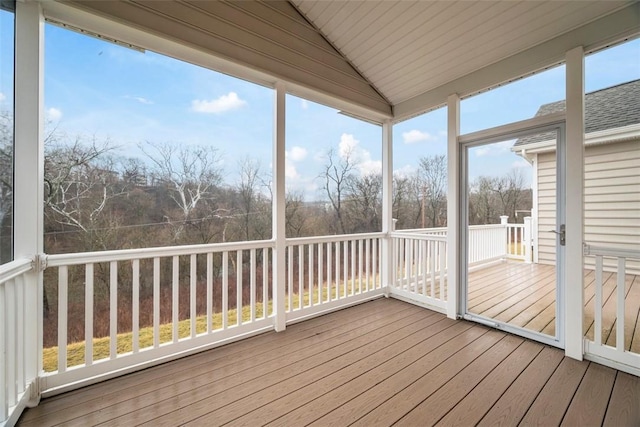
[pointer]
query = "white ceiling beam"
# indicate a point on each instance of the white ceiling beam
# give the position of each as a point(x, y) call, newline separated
point(620, 25)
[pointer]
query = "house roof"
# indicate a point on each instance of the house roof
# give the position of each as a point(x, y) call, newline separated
point(613, 107)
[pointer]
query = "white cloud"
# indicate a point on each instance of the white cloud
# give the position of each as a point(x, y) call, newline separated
point(290, 171)
point(522, 163)
point(350, 147)
point(2, 97)
point(304, 104)
point(297, 154)
point(415, 135)
point(53, 114)
point(404, 172)
point(224, 103)
point(140, 99)
point(494, 149)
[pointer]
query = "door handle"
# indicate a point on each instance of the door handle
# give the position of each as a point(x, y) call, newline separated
point(561, 233)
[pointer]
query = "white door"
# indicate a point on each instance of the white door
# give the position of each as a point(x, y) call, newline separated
point(513, 230)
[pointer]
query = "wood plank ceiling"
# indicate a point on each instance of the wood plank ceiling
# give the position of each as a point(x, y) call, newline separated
point(405, 48)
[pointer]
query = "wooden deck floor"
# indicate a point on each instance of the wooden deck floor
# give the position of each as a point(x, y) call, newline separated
point(524, 295)
point(377, 363)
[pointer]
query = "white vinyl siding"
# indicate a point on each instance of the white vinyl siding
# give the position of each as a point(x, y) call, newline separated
point(546, 208)
point(612, 200)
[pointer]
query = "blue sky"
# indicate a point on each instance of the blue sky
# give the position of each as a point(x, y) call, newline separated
point(95, 88)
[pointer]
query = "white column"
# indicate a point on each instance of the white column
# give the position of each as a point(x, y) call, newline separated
point(29, 172)
point(387, 205)
point(279, 206)
point(574, 295)
point(453, 205)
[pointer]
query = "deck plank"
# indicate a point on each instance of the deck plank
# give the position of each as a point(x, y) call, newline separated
point(516, 400)
point(405, 400)
point(434, 407)
point(471, 409)
point(624, 407)
point(377, 363)
point(554, 399)
point(590, 403)
point(211, 391)
point(260, 344)
point(347, 403)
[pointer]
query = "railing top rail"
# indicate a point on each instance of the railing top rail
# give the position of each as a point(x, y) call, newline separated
point(14, 269)
point(333, 238)
point(416, 236)
point(611, 252)
point(143, 253)
point(422, 230)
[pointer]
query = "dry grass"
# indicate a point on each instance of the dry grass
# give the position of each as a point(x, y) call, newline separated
point(101, 346)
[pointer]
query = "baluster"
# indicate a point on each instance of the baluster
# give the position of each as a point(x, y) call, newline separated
point(209, 292)
point(239, 288)
point(329, 276)
point(113, 309)
point(265, 282)
point(193, 282)
point(252, 275)
point(311, 275)
point(88, 314)
point(620, 304)
point(290, 277)
point(63, 283)
point(156, 302)
point(320, 272)
point(597, 334)
point(135, 312)
point(175, 289)
point(225, 289)
point(300, 275)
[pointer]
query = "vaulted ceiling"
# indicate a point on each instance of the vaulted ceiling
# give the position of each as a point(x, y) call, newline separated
point(406, 48)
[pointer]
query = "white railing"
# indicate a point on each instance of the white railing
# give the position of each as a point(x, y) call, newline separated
point(119, 311)
point(331, 271)
point(18, 363)
point(419, 268)
point(176, 300)
point(492, 242)
point(618, 351)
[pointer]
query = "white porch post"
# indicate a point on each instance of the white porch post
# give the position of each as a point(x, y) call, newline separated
point(574, 295)
point(279, 206)
point(29, 174)
point(387, 205)
point(453, 205)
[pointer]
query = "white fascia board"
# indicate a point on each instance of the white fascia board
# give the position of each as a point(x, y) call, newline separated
point(126, 34)
point(602, 137)
point(610, 29)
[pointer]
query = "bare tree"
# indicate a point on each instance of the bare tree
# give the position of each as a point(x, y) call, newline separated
point(336, 174)
point(510, 190)
point(248, 192)
point(191, 173)
point(433, 180)
point(365, 202)
point(79, 180)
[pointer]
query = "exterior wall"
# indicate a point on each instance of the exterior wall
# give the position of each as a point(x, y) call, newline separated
point(612, 200)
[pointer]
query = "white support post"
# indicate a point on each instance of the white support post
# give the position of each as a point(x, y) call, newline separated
point(29, 175)
point(279, 206)
point(528, 239)
point(573, 277)
point(388, 224)
point(454, 192)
